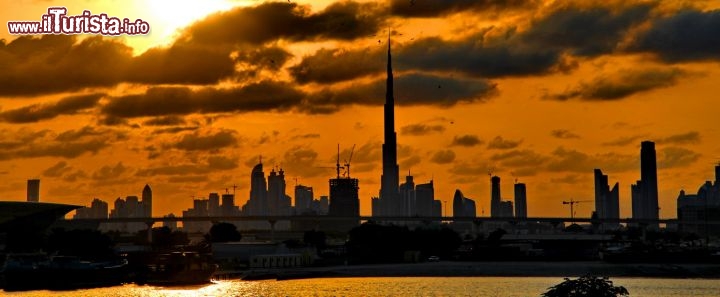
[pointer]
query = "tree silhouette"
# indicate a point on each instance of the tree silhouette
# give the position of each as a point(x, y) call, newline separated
point(586, 286)
point(223, 232)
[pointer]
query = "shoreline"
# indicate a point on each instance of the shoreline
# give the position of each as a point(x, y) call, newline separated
point(487, 269)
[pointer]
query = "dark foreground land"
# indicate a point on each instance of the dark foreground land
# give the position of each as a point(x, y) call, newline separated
point(458, 269)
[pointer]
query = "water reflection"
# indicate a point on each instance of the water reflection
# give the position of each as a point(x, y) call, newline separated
point(393, 286)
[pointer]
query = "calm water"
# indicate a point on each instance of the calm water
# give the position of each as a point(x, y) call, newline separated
point(397, 286)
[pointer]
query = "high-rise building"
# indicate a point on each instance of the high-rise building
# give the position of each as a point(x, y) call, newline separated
point(344, 200)
point(607, 201)
point(495, 197)
point(228, 207)
point(147, 201)
point(98, 210)
point(323, 204)
point(520, 201)
point(699, 207)
point(645, 193)
point(199, 209)
point(278, 200)
point(463, 207)
point(389, 202)
point(425, 199)
point(407, 197)
point(214, 205)
point(303, 199)
point(33, 190)
point(437, 208)
point(506, 209)
point(257, 204)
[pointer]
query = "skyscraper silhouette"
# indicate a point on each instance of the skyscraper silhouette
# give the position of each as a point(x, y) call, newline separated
point(495, 197)
point(278, 201)
point(645, 192)
point(33, 190)
point(463, 207)
point(389, 201)
point(147, 201)
point(607, 202)
point(520, 201)
point(257, 204)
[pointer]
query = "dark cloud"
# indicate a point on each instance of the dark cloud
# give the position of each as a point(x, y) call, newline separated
point(57, 170)
point(74, 176)
point(671, 157)
point(568, 179)
point(250, 63)
point(622, 84)
point(370, 152)
point(466, 140)
point(409, 162)
point(306, 136)
point(173, 130)
point(222, 163)
point(38, 112)
point(27, 143)
point(108, 172)
point(165, 121)
point(67, 144)
point(56, 63)
point(88, 132)
point(415, 90)
point(187, 179)
point(210, 141)
point(624, 140)
point(262, 96)
point(586, 31)
point(563, 134)
point(480, 55)
point(443, 157)
point(345, 20)
point(464, 168)
point(303, 161)
point(489, 53)
point(335, 65)
point(14, 139)
point(181, 64)
point(691, 137)
point(519, 159)
point(565, 160)
point(503, 144)
point(688, 35)
point(210, 165)
point(421, 129)
point(438, 8)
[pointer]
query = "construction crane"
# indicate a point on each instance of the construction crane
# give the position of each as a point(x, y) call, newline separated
point(337, 164)
point(347, 162)
point(572, 205)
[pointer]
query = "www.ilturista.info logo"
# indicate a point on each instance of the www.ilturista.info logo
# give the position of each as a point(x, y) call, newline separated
point(57, 22)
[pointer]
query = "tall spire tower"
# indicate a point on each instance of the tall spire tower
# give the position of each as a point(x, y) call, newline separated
point(389, 193)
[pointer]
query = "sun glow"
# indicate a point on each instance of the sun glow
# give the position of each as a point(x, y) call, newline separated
point(168, 17)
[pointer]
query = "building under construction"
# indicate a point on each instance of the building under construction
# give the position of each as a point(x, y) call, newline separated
point(344, 201)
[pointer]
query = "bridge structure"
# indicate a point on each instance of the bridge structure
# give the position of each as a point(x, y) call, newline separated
point(320, 219)
point(380, 219)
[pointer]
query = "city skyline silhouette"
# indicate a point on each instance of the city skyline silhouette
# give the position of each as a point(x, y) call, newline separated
point(190, 114)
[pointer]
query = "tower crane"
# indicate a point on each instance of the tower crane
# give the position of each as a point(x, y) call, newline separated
point(347, 162)
point(572, 205)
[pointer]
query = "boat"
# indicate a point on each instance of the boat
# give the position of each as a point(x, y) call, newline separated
point(179, 268)
point(37, 271)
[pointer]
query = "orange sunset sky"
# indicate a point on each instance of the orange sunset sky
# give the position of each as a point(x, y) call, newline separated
point(538, 91)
